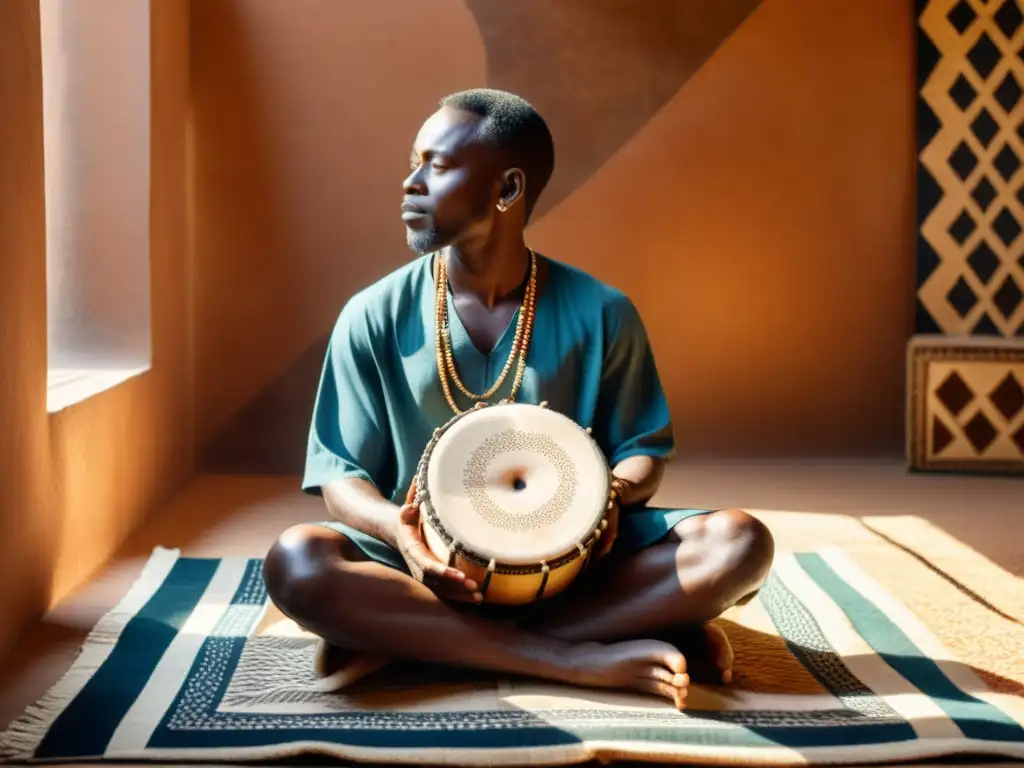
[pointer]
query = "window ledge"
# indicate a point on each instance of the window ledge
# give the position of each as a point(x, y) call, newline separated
point(67, 386)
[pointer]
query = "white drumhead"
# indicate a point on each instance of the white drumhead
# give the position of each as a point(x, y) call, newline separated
point(517, 482)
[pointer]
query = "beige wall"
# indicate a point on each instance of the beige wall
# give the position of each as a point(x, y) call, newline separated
point(743, 169)
point(74, 484)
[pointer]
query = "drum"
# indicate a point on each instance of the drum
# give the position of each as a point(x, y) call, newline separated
point(514, 495)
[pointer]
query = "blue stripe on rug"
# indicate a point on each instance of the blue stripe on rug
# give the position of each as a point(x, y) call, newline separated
point(252, 590)
point(86, 726)
point(976, 718)
point(194, 720)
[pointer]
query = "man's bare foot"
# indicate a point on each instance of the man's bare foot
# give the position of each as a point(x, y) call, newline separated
point(708, 652)
point(338, 667)
point(328, 659)
point(720, 650)
point(647, 666)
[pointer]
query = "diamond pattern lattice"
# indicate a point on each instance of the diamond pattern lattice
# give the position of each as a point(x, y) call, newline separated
point(965, 404)
point(970, 266)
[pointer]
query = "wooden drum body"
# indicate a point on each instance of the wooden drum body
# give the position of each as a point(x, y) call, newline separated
point(514, 495)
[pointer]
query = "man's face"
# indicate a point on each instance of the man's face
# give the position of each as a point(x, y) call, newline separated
point(452, 189)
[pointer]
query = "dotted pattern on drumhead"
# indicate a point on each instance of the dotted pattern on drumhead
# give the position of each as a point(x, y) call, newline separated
point(474, 483)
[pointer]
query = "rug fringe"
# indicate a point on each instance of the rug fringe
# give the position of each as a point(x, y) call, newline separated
point(24, 734)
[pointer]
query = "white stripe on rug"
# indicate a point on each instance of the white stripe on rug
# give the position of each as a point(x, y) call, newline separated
point(24, 735)
point(927, 719)
point(170, 673)
point(959, 673)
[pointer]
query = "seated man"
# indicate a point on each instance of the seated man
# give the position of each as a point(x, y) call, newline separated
point(365, 582)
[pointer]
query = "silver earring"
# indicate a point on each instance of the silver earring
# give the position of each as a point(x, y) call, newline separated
point(501, 206)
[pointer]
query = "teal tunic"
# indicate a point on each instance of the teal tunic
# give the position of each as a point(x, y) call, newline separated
point(380, 399)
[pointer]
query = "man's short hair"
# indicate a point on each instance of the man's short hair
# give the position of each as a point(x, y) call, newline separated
point(514, 125)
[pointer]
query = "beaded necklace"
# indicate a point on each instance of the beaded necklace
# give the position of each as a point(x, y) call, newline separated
point(520, 343)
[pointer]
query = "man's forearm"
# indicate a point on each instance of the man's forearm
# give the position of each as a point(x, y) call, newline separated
point(639, 478)
point(359, 504)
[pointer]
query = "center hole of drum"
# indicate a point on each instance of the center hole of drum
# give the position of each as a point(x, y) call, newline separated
point(513, 478)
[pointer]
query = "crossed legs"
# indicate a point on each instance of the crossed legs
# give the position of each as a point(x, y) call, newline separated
point(605, 638)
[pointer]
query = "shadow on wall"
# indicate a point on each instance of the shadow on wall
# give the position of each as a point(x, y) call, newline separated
point(598, 70)
point(236, 181)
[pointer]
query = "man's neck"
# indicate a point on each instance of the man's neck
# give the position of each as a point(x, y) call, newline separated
point(491, 274)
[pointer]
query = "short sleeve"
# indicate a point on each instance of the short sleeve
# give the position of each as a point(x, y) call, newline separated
point(348, 434)
point(632, 415)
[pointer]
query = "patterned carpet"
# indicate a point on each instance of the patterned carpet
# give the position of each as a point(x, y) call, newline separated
point(901, 644)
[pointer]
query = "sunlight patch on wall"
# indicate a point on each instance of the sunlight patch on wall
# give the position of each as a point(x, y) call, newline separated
point(96, 133)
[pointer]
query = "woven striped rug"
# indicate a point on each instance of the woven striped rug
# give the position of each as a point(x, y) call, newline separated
point(194, 664)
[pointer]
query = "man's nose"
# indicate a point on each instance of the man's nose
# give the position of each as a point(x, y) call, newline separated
point(414, 183)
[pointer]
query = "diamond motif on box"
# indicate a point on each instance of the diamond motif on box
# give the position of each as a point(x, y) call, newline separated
point(954, 394)
point(965, 404)
point(941, 437)
point(980, 432)
point(1008, 397)
point(970, 260)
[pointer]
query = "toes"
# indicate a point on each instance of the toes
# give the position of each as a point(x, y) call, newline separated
point(674, 660)
point(661, 674)
point(658, 688)
point(675, 679)
point(721, 650)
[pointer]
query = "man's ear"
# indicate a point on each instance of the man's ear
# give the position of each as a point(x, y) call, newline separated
point(513, 188)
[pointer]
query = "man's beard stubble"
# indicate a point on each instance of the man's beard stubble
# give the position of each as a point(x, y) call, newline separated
point(433, 239)
point(424, 241)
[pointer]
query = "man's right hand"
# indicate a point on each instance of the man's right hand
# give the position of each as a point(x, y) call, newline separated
point(447, 583)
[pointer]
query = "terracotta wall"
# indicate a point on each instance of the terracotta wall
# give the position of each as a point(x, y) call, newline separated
point(74, 484)
point(743, 169)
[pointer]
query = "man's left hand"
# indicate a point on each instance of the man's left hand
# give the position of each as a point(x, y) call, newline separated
point(611, 531)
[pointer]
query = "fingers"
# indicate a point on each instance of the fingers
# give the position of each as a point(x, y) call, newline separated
point(666, 691)
point(441, 574)
point(411, 494)
point(609, 534)
point(457, 595)
point(409, 514)
point(444, 581)
point(605, 543)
